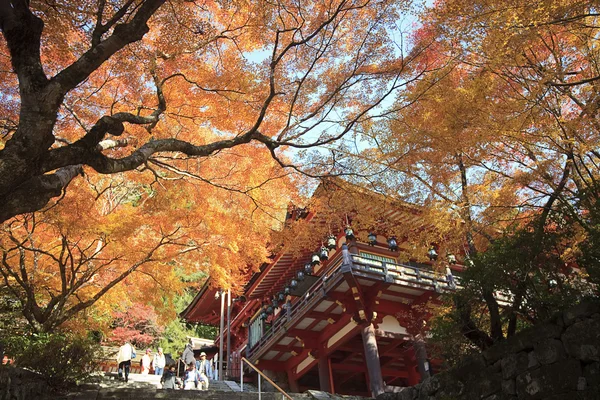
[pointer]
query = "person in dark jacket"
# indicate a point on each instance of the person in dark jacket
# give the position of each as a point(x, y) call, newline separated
point(168, 378)
point(187, 358)
point(188, 354)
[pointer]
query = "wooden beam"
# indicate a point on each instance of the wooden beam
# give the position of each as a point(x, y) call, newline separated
point(385, 350)
point(350, 376)
point(389, 307)
point(287, 348)
point(363, 368)
point(391, 335)
point(324, 337)
point(308, 338)
point(271, 365)
point(357, 296)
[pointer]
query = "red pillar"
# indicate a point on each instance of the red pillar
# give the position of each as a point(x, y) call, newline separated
point(293, 382)
point(325, 374)
point(331, 383)
point(372, 360)
point(411, 365)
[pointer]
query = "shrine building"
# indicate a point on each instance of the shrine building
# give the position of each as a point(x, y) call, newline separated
point(344, 318)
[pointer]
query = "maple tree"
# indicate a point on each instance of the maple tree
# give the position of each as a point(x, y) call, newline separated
point(116, 85)
point(138, 324)
point(539, 68)
point(111, 242)
point(500, 135)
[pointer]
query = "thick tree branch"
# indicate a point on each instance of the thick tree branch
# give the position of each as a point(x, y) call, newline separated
point(35, 193)
point(23, 31)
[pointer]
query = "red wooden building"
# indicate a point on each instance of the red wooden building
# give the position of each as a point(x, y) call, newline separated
point(345, 319)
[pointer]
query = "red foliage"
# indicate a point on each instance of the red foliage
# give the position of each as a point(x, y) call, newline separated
point(138, 324)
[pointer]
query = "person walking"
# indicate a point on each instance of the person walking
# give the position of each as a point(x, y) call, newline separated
point(145, 362)
point(159, 361)
point(204, 371)
point(124, 356)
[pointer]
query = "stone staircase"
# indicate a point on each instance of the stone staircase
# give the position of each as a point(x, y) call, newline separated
point(146, 387)
point(150, 382)
point(107, 386)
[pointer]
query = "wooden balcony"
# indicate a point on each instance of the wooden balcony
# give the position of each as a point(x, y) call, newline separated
point(403, 284)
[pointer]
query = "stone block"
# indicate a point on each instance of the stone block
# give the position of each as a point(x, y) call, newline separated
point(387, 396)
point(450, 388)
point(549, 380)
point(509, 386)
point(513, 364)
point(591, 372)
point(469, 369)
point(582, 340)
point(532, 361)
point(548, 351)
point(524, 340)
point(409, 393)
point(496, 367)
point(423, 396)
point(589, 394)
point(430, 386)
point(490, 383)
point(580, 311)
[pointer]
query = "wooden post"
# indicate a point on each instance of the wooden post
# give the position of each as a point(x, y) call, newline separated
point(292, 382)
point(372, 360)
point(331, 383)
point(325, 374)
point(221, 327)
point(421, 355)
point(229, 363)
point(411, 366)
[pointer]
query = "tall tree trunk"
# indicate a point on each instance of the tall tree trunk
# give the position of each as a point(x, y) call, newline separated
point(465, 314)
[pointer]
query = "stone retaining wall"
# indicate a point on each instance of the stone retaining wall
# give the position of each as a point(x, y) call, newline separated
point(558, 360)
point(19, 384)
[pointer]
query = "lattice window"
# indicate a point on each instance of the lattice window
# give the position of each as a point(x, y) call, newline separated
point(377, 257)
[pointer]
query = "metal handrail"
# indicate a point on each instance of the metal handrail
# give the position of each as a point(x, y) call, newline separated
point(260, 374)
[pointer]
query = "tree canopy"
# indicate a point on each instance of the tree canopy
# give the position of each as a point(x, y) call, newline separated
point(503, 137)
point(144, 85)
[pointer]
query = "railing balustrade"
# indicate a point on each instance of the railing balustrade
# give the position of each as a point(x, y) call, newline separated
point(401, 274)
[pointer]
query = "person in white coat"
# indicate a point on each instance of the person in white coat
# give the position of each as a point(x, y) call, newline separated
point(146, 362)
point(126, 353)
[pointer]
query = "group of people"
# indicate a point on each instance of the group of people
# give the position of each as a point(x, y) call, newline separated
point(195, 373)
point(127, 353)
